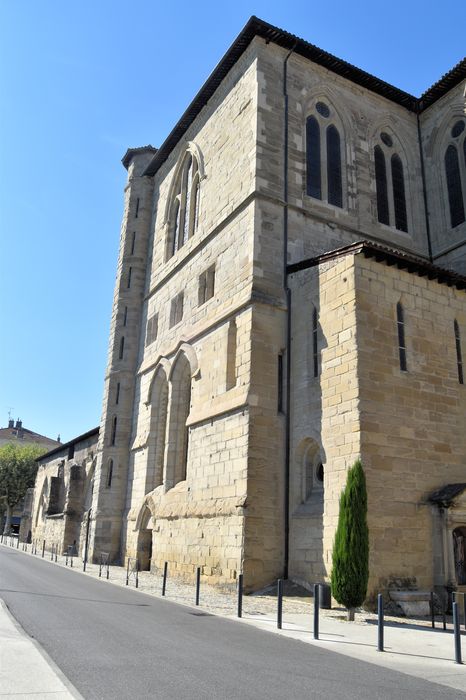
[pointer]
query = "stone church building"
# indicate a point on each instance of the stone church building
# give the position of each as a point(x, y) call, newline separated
point(290, 296)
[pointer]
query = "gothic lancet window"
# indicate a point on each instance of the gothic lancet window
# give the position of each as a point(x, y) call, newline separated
point(324, 176)
point(184, 205)
point(455, 172)
point(390, 185)
point(459, 355)
point(334, 184)
point(400, 322)
point(315, 349)
point(383, 214)
point(399, 198)
point(157, 433)
point(177, 428)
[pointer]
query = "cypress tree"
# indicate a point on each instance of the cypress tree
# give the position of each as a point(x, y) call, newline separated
point(350, 571)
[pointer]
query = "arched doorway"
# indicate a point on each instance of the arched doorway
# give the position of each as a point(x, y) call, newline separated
point(459, 550)
point(144, 541)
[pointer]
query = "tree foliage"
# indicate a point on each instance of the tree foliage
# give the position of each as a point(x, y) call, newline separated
point(17, 473)
point(350, 570)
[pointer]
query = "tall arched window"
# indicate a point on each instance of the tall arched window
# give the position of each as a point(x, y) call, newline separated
point(315, 347)
point(314, 184)
point(324, 179)
point(383, 213)
point(158, 424)
point(178, 431)
point(334, 183)
point(455, 172)
point(390, 185)
point(399, 198)
point(108, 481)
point(113, 432)
point(459, 355)
point(400, 323)
point(184, 205)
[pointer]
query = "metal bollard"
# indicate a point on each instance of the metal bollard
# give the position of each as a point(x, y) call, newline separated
point(17, 543)
point(137, 573)
point(279, 603)
point(380, 622)
point(127, 571)
point(457, 634)
point(316, 611)
point(432, 614)
point(43, 549)
point(198, 583)
point(240, 595)
point(164, 579)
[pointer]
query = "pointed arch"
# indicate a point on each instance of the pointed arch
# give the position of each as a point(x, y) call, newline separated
point(157, 430)
point(325, 150)
point(189, 352)
point(163, 365)
point(334, 180)
point(381, 186)
point(454, 188)
point(182, 205)
point(390, 163)
point(449, 167)
point(309, 486)
point(176, 451)
point(399, 197)
point(313, 159)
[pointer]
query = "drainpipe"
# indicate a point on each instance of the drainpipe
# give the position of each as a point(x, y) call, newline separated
point(424, 190)
point(288, 317)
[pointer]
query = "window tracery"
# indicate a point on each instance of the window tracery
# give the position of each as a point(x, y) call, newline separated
point(455, 172)
point(324, 170)
point(390, 184)
point(184, 202)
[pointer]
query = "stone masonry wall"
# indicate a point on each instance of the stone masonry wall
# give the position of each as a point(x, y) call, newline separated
point(413, 423)
point(360, 115)
point(199, 522)
point(64, 528)
point(324, 410)
point(448, 245)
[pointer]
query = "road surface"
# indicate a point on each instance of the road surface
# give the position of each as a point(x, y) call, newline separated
point(117, 643)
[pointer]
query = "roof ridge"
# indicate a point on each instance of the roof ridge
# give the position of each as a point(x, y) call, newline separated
point(258, 27)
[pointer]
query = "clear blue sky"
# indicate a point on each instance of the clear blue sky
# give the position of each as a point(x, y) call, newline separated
point(79, 83)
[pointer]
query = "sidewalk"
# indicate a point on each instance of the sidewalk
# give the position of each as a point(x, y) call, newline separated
point(412, 649)
point(411, 646)
point(26, 671)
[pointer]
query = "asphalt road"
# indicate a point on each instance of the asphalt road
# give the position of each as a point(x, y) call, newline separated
point(117, 643)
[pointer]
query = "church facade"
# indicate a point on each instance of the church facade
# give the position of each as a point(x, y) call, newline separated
point(290, 296)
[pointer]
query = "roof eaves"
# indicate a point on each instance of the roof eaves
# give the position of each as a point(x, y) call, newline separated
point(257, 27)
point(391, 256)
point(446, 83)
point(65, 445)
